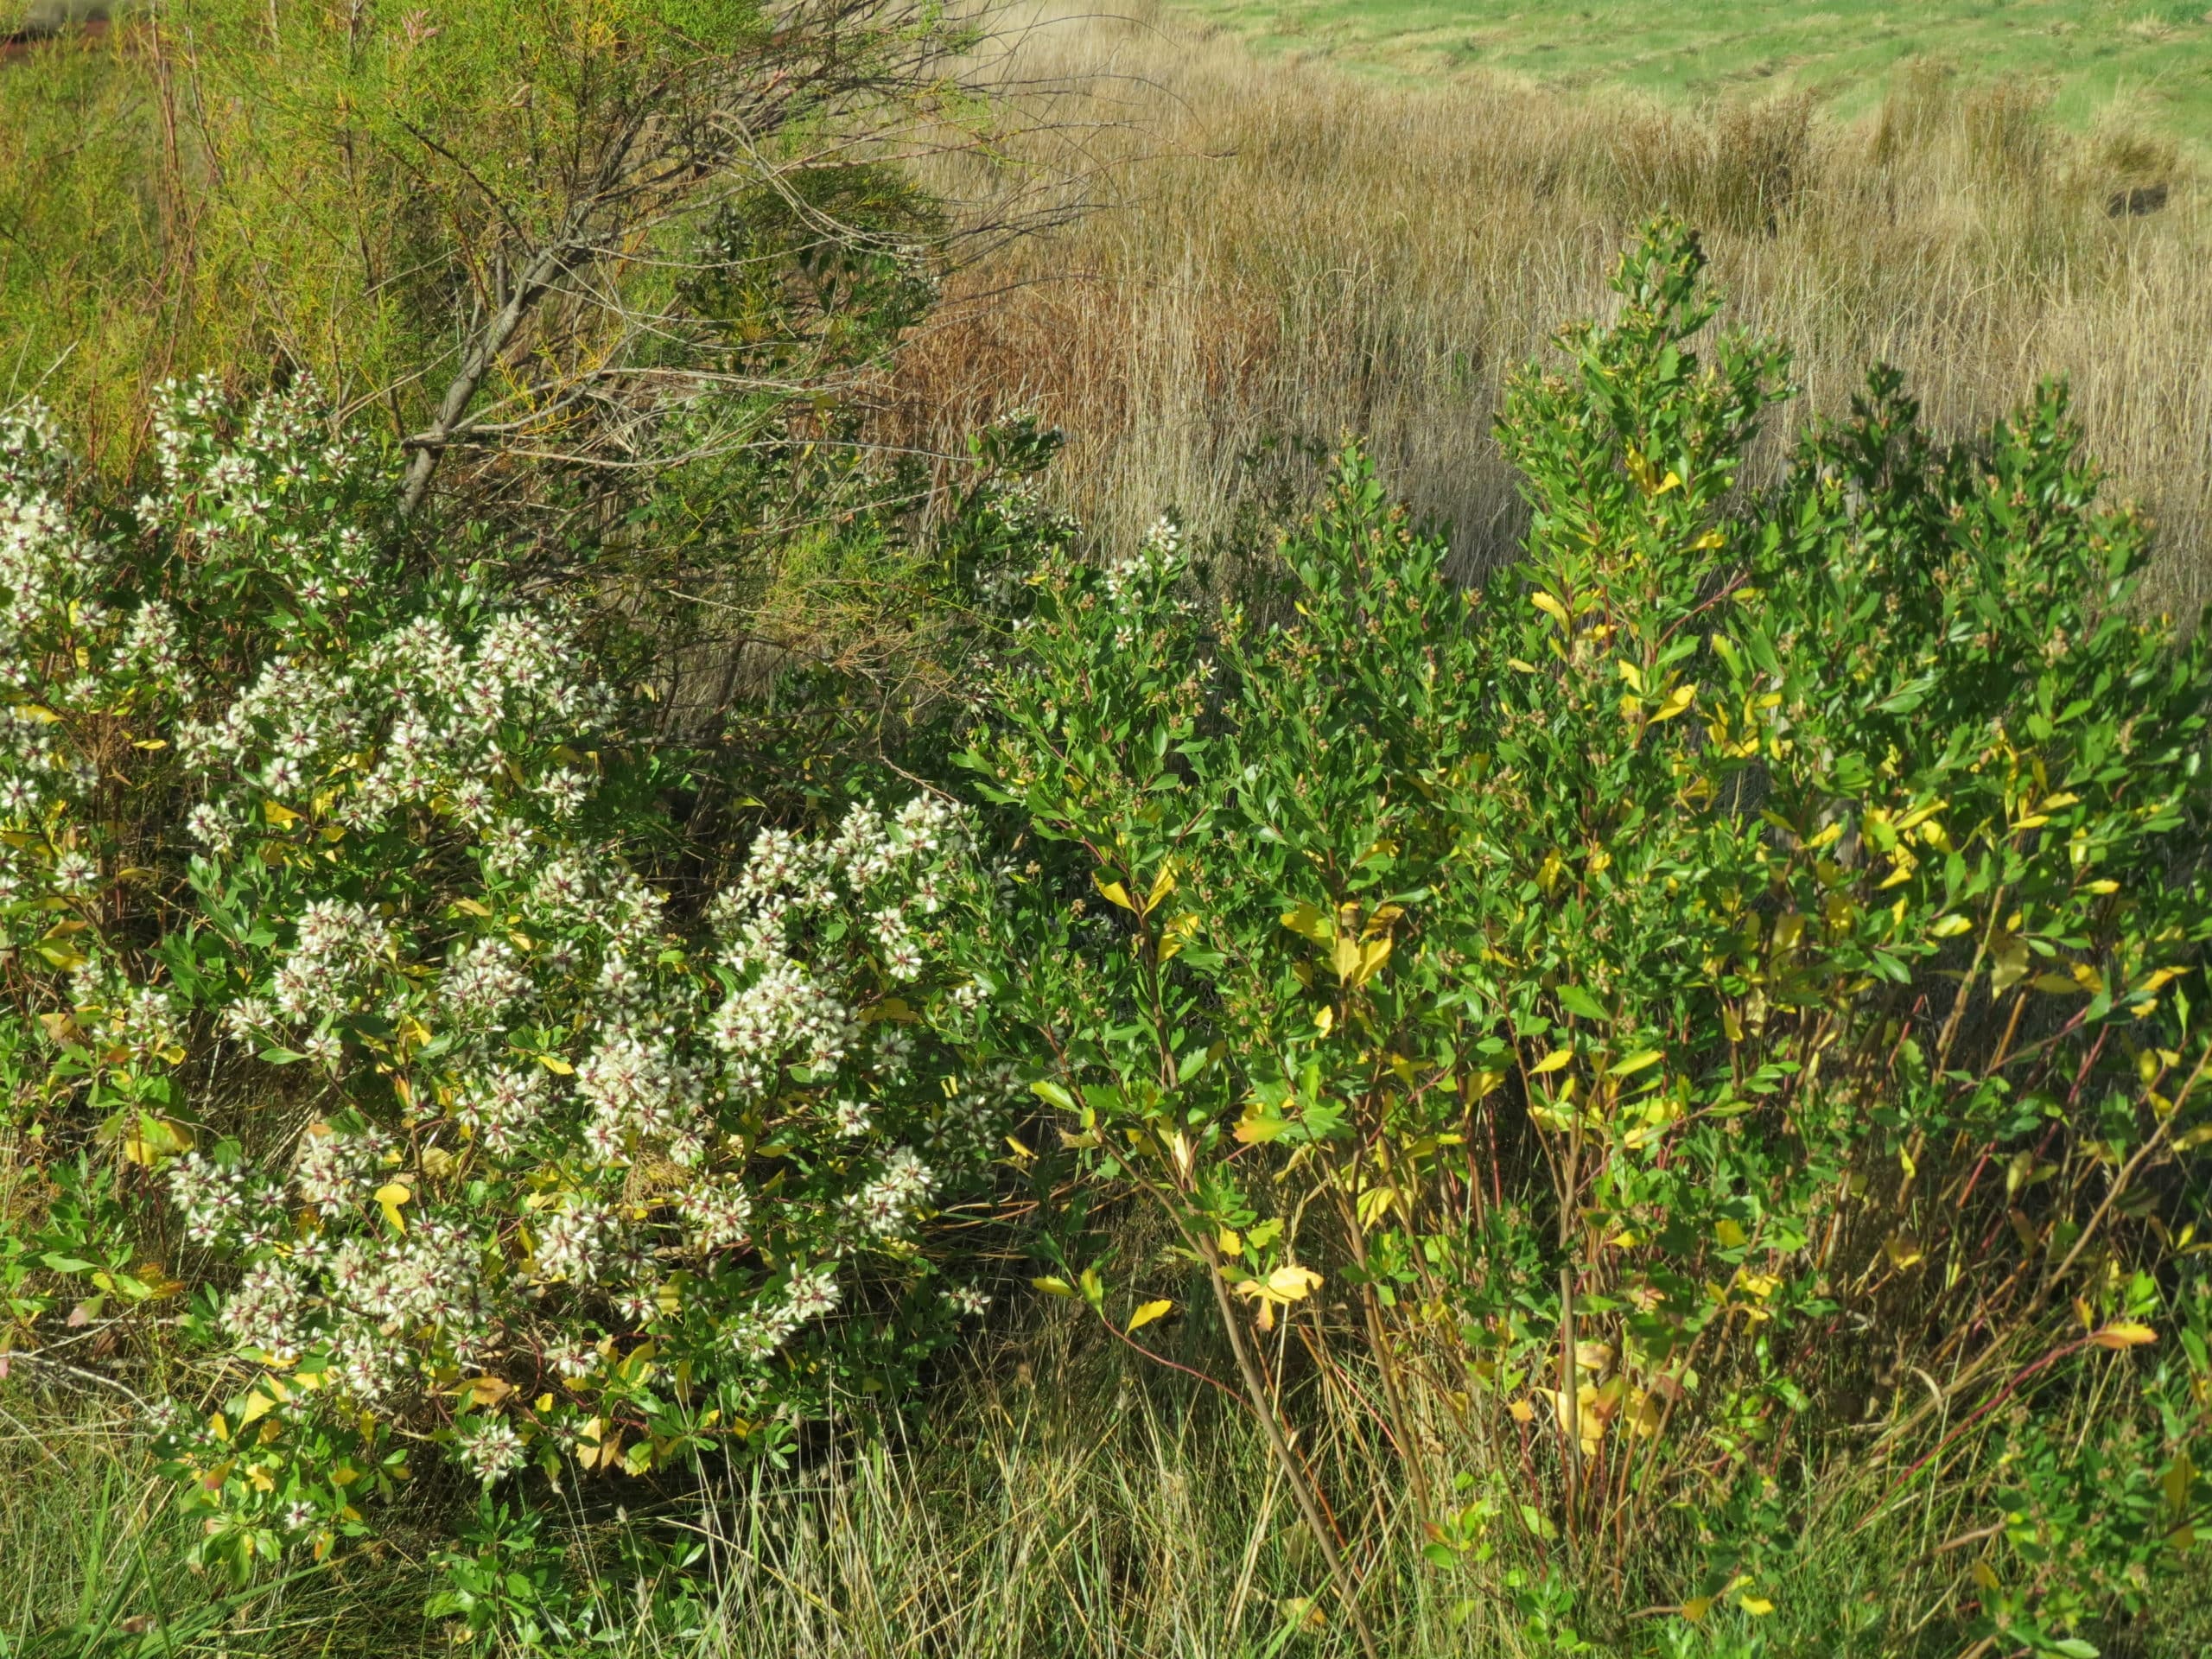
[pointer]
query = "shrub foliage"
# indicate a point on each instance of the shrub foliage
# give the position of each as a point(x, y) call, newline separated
point(1695, 1028)
point(1711, 1008)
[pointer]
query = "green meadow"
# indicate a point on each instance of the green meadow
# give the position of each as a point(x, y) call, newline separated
point(2090, 54)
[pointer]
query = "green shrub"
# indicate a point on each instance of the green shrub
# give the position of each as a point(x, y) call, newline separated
point(1708, 1016)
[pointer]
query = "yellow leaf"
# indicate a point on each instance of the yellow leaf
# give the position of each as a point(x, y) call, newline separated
point(1163, 885)
point(1730, 1232)
point(1178, 932)
point(2125, 1334)
point(1310, 921)
point(1522, 1411)
point(1113, 892)
point(279, 815)
point(1636, 1062)
point(1325, 1018)
point(1149, 1312)
point(1550, 606)
point(1902, 1250)
point(390, 1197)
point(1757, 1606)
point(258, 1406)
point(1230, 1242)
point(483, 1390)
point(1551, 1061)
point(1732, 1024)
point(1677, 700)
point(1294, 1284)
point(1258, 1126)
point(1696, 1608)
point(1631, 673)
point(556, 1066)
point(1052, 1287)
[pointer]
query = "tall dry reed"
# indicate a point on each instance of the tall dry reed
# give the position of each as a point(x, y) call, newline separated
point(1280, 255)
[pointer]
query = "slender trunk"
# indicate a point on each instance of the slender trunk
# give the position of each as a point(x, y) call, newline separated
point(430, 446)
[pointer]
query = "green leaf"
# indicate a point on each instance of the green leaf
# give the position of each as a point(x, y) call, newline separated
point(1577, 1000)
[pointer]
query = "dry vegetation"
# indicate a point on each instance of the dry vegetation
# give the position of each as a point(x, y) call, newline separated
point(1285, 254)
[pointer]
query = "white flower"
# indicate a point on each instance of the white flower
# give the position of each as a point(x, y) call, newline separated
point(490, 1446)
point(811, 1295)
point(886, 1204)
point(571, 1242)
point(967, 1300)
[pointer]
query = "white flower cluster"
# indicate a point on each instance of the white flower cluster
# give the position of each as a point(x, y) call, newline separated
point(223, 1203)
point(886, 1204)
point(759, 1332)
point(333, 1171)
point(448, 724)
point(785, 1007)
point(640, 1092)
point(338, 941)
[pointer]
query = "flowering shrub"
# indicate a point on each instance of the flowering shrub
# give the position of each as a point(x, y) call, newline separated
point(363, 975)
point(1707, 1014)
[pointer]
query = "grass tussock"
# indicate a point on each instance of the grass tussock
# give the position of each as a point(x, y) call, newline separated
point(1058, 1500)
point(1282, 254)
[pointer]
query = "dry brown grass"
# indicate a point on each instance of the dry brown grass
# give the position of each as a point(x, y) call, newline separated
point(1283, 255)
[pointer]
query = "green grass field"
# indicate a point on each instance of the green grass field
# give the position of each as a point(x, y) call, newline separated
point(2154, 56)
